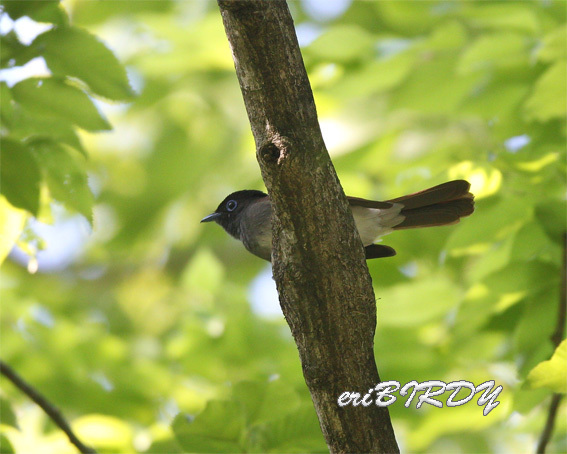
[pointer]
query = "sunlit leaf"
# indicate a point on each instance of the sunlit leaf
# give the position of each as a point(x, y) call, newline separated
point(12, 221)
point(551, 374)
point(104, 432)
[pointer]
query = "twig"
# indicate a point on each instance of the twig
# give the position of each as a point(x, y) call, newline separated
point(549, 424)
point(51, 410)
point(556, 338)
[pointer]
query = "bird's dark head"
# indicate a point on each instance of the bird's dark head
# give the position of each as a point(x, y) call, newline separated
point(229, 210)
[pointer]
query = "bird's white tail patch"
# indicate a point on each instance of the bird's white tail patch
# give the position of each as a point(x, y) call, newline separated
point(372, 223)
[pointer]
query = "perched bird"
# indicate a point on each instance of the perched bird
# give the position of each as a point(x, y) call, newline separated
point(246, 215)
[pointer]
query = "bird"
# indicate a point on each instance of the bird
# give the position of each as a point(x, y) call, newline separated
point(246, 215)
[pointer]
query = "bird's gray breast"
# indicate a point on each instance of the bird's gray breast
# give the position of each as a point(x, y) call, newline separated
point(256, 229)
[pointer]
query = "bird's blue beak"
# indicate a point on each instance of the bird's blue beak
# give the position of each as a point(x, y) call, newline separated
point(211, 217)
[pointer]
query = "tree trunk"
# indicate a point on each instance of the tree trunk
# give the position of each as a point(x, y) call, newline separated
point(318, 260)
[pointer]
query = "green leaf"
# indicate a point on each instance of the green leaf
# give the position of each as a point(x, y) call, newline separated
point(29, 128)
point(434, 87)
point(550, 92)
point(5, 445)
point(71, 51)
point(498, 50)
point(530, 242)
point(38, 10)
point(12, 221)
point(297, 432)
point(410, 18)
point(264, 401)
point(496, 101)
point(377, 76)
point(552, 215)
point(342, 43)
point(53, 97)
point(490, 224)
point(20, 175)
point(513, 16)
point(520, 278)
point(416, 303)
point(13, 52)
point(66, 179)
point(6, 105)
point(204, 273)
point(554, 47)
point(219, 428)
point(445, 37)
point(551, 374)
point(7, 415)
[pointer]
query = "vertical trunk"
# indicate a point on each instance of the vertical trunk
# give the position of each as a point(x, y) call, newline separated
point(318, 260)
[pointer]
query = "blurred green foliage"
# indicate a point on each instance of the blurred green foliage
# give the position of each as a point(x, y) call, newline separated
point(147, 340)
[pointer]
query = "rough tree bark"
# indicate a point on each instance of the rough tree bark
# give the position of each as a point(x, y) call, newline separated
point(318, 260)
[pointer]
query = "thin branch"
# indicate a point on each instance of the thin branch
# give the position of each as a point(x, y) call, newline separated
point(559, 332)
point(549, 424)
point(556, 338)
point(51, 410)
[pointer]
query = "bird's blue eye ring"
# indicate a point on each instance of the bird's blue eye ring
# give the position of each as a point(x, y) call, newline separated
point(231, 205)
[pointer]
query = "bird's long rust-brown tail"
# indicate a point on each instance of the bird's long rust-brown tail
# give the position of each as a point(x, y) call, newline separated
point(440, 205)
